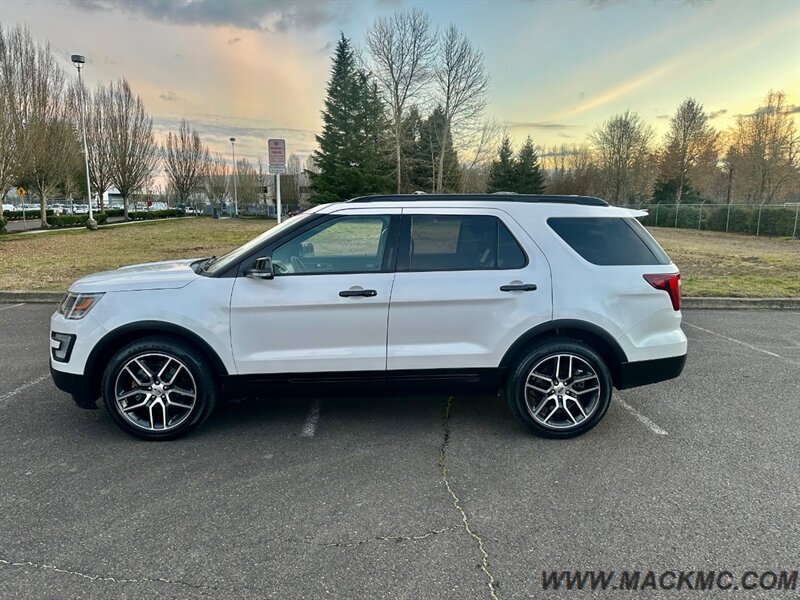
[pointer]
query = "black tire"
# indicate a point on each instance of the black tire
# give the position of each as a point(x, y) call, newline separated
point(523, 399)
point(150, 349)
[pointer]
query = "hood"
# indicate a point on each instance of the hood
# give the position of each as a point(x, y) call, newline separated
point(167, 274)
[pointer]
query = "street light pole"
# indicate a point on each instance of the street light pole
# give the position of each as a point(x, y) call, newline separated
point(235, 173)
point(78, 61)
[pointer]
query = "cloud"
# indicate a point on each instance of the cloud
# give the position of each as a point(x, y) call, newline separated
point(252, 139)
point(717, 113)
point(275, 15)
point(233, 41)
point(537, 125)
point(770, 110)
point(168, 96)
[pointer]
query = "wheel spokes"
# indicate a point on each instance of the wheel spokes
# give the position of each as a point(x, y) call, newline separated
point(151, 381)
point(562, 391)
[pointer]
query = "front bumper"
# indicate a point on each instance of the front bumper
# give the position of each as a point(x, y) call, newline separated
point(78, 386)
point(645, 372)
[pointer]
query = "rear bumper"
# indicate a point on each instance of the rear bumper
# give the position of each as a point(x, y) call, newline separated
point(645, 372)
point(78, 386)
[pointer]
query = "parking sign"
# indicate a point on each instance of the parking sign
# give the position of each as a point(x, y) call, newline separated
point(276, 151)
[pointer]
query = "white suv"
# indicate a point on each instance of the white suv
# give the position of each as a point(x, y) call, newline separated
point(554, 299)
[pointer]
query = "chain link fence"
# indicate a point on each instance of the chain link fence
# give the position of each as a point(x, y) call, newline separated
point(759, 219)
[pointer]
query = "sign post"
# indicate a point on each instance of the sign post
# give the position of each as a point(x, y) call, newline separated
point(276, 151)
point(21, 191)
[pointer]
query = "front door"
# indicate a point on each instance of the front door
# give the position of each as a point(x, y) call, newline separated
point(327, 307)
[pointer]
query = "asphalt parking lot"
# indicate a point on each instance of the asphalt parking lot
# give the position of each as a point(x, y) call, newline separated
point(377, 498)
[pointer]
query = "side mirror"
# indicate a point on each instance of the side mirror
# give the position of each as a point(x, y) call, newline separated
point(262, 269)
point(306, 249)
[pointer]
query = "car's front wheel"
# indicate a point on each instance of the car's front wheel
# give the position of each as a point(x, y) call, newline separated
point(560, 389)
point(159, 389)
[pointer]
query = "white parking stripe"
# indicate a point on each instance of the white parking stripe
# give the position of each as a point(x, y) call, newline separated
point(23, 387)
point(2, 308)
point(310, 426)
point(641, 418)
point(745, 344)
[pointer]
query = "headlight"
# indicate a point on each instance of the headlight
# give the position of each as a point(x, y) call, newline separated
point(75, 306)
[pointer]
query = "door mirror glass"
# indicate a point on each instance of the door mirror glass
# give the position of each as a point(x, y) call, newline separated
point(306, 249)
point(262, 269)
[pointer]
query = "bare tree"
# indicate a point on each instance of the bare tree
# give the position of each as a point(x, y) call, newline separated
point(185, 158)
point(623, 146)
point(247, 179)
point(33, 87)
point(132, 146)
point(461, 85)
point(215, 179)
point(8, 151)
point(764, 155)
point(402, 49)
point(98, 142)
point(571, 169)
point(688, 142)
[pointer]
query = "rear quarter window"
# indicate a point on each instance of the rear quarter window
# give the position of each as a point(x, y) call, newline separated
point(609, 241)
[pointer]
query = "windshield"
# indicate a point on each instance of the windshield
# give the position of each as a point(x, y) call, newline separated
point(225, 261)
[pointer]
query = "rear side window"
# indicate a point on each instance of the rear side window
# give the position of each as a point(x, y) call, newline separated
point(459, 243)
point(609, 240)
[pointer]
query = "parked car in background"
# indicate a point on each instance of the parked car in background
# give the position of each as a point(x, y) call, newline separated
point(9, 207)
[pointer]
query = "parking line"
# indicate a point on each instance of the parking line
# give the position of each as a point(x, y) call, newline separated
point(641, 418)
point(745, 344)
point(23, 387)
point(310, 425)
point(12, 306)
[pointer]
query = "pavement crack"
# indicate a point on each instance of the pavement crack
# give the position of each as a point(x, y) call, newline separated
point(108, 578)
point(382, 538)
point(491, 582)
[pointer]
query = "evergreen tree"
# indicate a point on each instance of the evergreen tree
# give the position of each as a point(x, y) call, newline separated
point(502, 175)
point(427, 155)
point(528, 177)
point(349, 157)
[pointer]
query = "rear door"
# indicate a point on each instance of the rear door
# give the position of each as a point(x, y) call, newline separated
point(465, 289)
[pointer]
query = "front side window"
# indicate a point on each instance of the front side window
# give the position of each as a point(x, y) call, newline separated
point(350, 244)
point(460, 243)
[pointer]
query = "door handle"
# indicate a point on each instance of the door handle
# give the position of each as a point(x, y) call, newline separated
point(350, 293)
point(518, 287)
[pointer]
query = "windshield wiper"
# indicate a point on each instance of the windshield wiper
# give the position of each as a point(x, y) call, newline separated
point(208, 262)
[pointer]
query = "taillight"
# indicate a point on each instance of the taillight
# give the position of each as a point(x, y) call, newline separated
point(670, 284)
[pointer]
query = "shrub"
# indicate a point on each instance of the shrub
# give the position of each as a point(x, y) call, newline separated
point(16, 215)
point(739, 219)
point(75, 220)
point(774, 221)
point(688, 216)
point(114, 212)
point(148, 215)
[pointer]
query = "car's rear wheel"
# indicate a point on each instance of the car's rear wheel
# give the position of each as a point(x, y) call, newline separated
point(560, 389)
point(159, 389)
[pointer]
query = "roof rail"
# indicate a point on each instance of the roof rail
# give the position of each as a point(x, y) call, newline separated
point(504, 197)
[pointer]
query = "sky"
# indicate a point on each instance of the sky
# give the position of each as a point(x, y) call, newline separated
point(258, 69)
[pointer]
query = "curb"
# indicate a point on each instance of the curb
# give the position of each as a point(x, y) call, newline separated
point(42, 297)
point(741, 303)
point(30, 297)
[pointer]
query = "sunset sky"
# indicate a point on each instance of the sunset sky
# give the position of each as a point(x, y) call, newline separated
point(256, 70)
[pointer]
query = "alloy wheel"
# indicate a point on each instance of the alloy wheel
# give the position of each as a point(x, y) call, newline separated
point(562, 391)
point(155, 392)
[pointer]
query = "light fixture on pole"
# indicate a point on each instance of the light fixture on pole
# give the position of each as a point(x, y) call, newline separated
point(79, 60)
point(235, 173)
